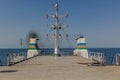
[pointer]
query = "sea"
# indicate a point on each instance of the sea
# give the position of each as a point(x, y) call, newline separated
point(109, 53)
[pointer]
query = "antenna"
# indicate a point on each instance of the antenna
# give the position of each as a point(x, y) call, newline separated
point(56, 27)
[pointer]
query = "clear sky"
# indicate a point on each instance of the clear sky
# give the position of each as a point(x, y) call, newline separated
point(97, 20)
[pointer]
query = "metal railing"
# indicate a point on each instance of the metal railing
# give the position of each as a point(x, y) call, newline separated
point(12, 58)
point(98, 57)
point(16, 57)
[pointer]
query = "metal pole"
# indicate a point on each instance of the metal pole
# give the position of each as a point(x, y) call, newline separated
point(21, 43)
point(56, 27)
point(56, 50)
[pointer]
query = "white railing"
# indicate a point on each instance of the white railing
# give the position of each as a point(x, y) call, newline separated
point(99, 57)
point(15, 58)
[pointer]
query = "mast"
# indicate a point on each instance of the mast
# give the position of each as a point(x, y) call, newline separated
point(56, 28)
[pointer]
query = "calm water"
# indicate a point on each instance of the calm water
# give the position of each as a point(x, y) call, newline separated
point(109, 53)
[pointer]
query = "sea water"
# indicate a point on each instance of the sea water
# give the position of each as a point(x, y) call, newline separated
point(109, 53)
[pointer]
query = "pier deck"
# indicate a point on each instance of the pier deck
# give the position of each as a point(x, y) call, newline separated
point(58, 68)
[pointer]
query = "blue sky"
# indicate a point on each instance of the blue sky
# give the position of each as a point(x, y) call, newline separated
point(97, 20)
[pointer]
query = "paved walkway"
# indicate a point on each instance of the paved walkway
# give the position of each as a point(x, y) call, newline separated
point(58, 68)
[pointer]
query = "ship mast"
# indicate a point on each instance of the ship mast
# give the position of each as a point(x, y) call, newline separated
point(56, 28)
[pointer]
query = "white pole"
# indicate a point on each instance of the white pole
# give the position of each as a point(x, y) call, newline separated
point(56, 50)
